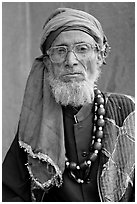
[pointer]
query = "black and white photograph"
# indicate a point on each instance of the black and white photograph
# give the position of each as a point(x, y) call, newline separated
point(68, 101)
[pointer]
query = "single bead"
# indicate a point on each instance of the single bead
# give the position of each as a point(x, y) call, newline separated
point(93, 157)
point(97, 91)
point(101, 111)
point(100, 100)
point(73, 165)
point(100, 122)
point(95, 117)
point(101, 116)
point(79, 180)
point(96, 108)
point(67, 164)
point(93, 137)
point(94, 129)
point(92, 142)
point(82, 181)
point(96, 151)
point(96, 104)
point(99, 140)
point(97, 145)
point(99, 134)
point(101, 106)
point(89, 162)
point(100, 128)
point(78, 167)
point(99, 95)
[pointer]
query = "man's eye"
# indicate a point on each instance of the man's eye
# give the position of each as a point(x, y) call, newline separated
point(82, 48)
point(61, 50)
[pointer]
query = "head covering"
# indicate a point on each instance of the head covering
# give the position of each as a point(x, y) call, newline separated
point(71, 19)
point(41, 131)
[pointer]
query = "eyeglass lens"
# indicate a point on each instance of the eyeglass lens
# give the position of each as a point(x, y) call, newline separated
point(58, 54)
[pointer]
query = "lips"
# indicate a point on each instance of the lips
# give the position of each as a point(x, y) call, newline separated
point(75, 75)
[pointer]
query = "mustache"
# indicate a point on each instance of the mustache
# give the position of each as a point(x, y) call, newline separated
point(74, 72)
point(77, 74)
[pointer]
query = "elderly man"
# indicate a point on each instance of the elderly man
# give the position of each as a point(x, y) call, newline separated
point(74, 143)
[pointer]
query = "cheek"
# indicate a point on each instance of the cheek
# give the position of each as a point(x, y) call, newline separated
point(57, 70)
point(90, 65)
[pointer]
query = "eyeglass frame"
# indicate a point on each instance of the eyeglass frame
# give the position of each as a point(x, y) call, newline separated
point(70, 49)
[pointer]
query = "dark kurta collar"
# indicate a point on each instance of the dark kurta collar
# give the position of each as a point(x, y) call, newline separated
point(80, 112)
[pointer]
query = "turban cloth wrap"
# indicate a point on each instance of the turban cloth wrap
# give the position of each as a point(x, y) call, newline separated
point(41, 131)
point(64, 19)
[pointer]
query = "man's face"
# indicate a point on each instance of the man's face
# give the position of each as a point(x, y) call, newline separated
point(75, 68)
point(72, 80)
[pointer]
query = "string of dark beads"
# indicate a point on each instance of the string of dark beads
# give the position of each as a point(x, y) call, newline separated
point(95, 145)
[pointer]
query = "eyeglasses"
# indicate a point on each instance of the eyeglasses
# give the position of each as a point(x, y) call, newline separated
point(58, 54)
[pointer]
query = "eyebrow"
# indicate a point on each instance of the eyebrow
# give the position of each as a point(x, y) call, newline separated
point(65, 44)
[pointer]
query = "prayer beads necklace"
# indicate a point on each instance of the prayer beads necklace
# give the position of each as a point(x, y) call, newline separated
point(95, 145)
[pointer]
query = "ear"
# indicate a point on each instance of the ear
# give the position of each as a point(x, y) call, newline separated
point(47, 63)
point(99, 59)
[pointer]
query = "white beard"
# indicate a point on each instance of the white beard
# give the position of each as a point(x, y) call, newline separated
point(75, 93)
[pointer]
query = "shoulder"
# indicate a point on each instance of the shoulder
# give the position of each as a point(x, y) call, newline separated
point(119, 106)
point(119, 97)
point(120, 100)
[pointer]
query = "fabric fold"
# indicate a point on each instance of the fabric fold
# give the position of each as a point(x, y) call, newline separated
point(41, 131)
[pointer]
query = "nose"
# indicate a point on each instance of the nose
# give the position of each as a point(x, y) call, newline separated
point(71, 59)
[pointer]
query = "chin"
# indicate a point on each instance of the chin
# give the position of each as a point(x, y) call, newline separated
point(75, 93)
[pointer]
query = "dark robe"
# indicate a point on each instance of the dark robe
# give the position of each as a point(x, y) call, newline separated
point(17, 181)
point(77, 139)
